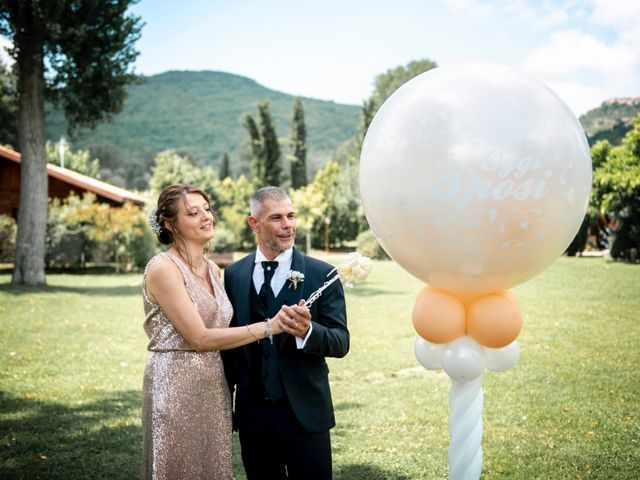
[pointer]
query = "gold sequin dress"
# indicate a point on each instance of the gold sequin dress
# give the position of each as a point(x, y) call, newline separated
point(186, 413)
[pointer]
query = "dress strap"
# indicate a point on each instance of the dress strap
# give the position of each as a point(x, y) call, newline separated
point(187, 274)
point(153, 260)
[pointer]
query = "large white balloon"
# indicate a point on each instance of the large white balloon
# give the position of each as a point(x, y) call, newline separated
point(475, 177)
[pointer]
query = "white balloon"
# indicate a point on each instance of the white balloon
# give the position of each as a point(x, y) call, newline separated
point(501, 359)
point(463, 359)
point(475, 177)
point(428, 354)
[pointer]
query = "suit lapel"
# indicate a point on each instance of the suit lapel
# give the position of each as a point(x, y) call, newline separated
point(290, 296)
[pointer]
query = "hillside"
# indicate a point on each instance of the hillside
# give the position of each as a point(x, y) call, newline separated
point(200, 112)
point(611, 120)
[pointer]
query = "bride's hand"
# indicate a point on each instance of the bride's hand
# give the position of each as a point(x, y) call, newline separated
point(296, 319)
point(276, 324)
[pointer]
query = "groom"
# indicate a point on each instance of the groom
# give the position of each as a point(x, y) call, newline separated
point(283, 408)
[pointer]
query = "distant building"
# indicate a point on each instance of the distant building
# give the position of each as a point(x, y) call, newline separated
point(62, 182)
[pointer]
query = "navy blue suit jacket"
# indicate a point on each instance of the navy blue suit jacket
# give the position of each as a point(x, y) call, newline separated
point(304, 372)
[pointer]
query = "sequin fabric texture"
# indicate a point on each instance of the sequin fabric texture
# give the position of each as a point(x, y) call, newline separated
point(186, 412)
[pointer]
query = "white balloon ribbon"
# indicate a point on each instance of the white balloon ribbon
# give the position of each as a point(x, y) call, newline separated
point(466, 400)
point(318, 293)
point(355, 270)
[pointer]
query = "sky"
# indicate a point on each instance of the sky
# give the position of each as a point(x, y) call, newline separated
point(587, 51)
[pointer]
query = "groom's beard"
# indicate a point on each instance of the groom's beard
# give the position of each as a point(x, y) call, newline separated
point(279, 245)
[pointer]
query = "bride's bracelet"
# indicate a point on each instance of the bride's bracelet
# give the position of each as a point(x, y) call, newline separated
point(267, 330)
point(251, 332)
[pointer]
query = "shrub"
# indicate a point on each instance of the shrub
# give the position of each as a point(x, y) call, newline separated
point(369, 246)
point(579, 242)
point(224, 240)
point(625, 236)
point(141, 248)
point(80, 229)
point(65, 247)
point(66, 240)
point(7, 238)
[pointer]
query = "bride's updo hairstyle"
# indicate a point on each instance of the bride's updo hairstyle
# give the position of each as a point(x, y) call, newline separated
point(167, 213)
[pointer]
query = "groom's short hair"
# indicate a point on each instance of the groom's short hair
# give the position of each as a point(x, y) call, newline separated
point(272, 193)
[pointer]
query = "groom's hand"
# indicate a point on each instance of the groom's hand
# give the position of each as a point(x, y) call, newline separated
point(296, 319)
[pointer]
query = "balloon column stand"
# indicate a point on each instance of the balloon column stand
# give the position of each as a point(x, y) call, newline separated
point(464, 360)
point(465, 429)
point(474, 178)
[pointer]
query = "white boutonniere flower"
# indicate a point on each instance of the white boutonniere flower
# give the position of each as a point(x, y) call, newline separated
point(295, 277)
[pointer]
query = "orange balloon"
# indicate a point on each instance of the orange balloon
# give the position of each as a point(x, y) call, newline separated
point(494, 320)
point(438, 317)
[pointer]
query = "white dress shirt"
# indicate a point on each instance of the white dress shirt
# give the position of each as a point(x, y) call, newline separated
point(277, 281)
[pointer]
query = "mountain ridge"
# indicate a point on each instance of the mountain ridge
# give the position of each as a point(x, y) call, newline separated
point(611, 120)
point(201, 112)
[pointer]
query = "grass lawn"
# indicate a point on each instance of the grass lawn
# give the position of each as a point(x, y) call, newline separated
point(73, 353)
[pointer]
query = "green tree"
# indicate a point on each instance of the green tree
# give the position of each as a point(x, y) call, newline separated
point(310, 207)
point(599, 153)
point(366, 115)
point(79, 161)
point(255, 143)
point(338, 181)
point(120, 167)
point(78, 54)
point(225, 170)
point(631, 141)
point(298, 144)
point(388, 82)
point(616, 194)
point(338, 187)
point(8, 107)
point(266, 164)
point(270, 147)
point(233, 208)
point(170, 168)
point(593, 222)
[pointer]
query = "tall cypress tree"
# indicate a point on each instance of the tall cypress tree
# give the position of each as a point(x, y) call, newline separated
point(255, 142)
point(225, 171)
point(266, 164)
point(78, 55)
point(270, 146)
point(299, 146)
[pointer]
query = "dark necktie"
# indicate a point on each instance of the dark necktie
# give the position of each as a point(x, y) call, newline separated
point(270, 371)
point(266, 292)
